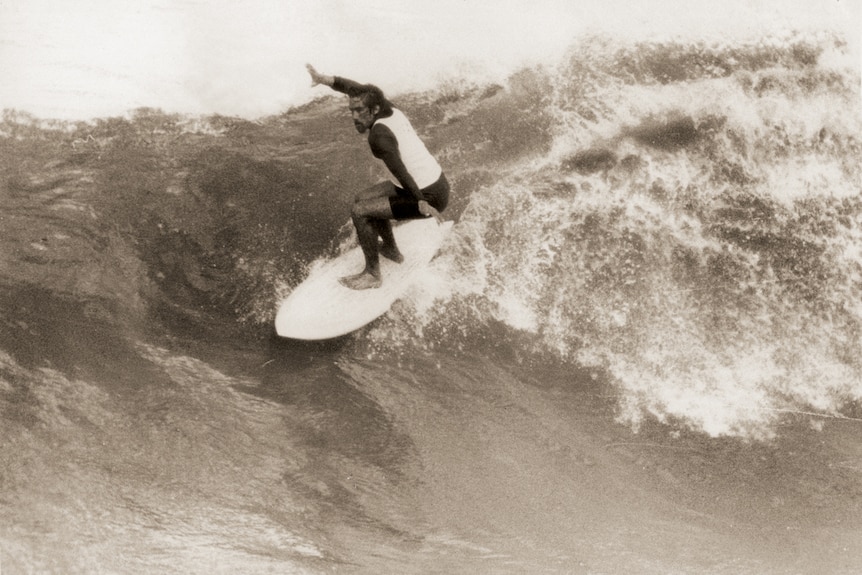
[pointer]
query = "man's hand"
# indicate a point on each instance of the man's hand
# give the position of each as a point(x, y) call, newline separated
point(428, 210)
point(318, 78)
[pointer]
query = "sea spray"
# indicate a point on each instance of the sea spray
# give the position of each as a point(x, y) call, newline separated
point(706, 251)
point(693, 229)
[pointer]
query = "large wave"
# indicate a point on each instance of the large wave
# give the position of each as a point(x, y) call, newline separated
point(692, 227)
point(683, 217)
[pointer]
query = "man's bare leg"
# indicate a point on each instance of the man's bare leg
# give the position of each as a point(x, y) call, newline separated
point(370, 276)
point(388, 248)
point(371, 207)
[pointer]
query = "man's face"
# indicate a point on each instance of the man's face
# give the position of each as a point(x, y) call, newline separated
point(362, 116)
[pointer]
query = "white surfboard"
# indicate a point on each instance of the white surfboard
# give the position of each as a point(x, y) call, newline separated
point(321, 308)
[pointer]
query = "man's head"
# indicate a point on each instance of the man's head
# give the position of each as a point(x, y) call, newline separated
point(363, 116)
point(368, 105)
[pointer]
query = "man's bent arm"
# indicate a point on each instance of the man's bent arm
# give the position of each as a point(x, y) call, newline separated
point(384, 146)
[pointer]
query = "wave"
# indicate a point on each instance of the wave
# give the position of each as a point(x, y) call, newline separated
point(683, 217)
point(692, 227)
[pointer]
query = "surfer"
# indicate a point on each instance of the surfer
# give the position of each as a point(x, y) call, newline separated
point(417, 186)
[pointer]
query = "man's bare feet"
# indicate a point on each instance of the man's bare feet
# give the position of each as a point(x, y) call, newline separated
point(364, 280)
point(391, 253)
point(352, 277)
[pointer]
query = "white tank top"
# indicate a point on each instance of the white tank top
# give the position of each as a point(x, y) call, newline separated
point(416, 157)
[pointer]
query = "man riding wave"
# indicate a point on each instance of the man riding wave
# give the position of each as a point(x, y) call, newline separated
point(417, 187)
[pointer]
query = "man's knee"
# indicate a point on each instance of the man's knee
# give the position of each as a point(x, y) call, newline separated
point(374, 208)
point(364, 210)
point(381, 190)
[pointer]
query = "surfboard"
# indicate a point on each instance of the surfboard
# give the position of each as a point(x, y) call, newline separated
point(321, 308)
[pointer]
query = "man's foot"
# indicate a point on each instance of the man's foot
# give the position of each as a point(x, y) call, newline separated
point(344, 280)
point(391, 253)
point(364, 280)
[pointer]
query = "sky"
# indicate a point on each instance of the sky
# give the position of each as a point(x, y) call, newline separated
point(81, 59)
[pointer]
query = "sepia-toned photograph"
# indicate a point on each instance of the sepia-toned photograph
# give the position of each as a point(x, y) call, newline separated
point(414, 287)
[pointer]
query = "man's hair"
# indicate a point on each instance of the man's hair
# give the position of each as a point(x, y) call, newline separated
point(372, 96)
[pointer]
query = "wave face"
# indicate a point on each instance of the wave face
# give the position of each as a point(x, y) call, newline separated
point(628, 356)
point(683, 217)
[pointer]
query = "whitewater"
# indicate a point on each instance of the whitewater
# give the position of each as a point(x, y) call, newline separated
point(637, 351)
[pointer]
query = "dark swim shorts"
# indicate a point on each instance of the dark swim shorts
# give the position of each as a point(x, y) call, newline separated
point(406, 207)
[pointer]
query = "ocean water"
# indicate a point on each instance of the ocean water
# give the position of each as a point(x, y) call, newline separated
point(637, 352)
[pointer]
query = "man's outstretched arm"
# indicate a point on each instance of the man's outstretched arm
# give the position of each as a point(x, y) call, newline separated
point(337, 83)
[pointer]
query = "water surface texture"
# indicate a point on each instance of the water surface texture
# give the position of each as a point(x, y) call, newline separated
point(637, 352)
